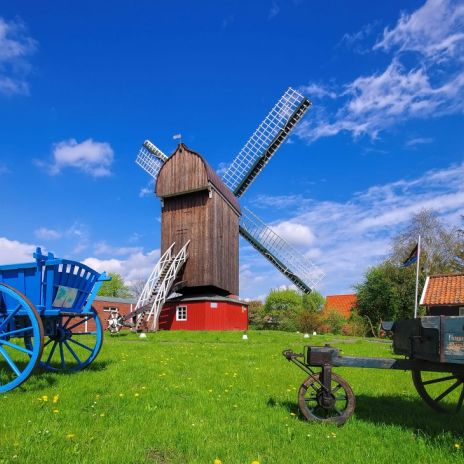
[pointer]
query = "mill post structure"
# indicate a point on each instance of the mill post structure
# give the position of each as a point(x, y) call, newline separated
point(196, 281)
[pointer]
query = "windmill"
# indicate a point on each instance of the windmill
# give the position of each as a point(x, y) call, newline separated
point(202, 219)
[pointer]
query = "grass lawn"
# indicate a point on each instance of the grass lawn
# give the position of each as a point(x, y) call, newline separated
point(192, 397)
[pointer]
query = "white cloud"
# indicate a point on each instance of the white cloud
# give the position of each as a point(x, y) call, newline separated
point(436, 31)
point(314, 90)
point(294, 233)
point(103, 248)
point(419, 141)
point(43, 233)
point(350, 236)
point(15, 49)
point(428, 84)
point(137, 266)
point(13, 251)
point(93, 158)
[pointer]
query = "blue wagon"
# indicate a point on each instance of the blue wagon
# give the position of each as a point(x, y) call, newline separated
point(46, 317)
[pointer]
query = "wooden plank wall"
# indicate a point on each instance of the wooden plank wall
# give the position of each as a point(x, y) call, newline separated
point(212, 227)
point(183, 172)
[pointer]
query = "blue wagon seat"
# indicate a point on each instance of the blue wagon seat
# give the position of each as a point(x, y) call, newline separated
point(54, 285)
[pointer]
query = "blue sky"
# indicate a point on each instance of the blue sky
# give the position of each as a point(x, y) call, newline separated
point(82, 85)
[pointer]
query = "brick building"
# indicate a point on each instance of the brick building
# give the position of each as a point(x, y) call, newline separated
point(444, 294)
point(343, 304)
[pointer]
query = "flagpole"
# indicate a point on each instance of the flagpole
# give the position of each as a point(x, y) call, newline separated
point(417, 275)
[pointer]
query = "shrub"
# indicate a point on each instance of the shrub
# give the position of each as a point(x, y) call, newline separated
point(335, 321)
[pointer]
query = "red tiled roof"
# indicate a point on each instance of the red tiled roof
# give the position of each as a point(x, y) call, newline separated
point(443, 290)
point(341, 303)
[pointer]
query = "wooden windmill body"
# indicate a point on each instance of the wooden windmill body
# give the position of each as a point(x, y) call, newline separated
point(197, 206)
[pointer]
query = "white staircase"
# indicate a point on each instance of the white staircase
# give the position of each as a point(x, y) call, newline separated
point(154, 293)
point(158, 287)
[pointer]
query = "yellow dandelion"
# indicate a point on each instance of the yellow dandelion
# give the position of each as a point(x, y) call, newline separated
point(102, 414)
point(457, 446)
point(56, 411)
point(210, 391)
point(217, 461)
point(121, 395)
point(70, 436)
point(97, 397)
point(292, 414)
point(56, 398)
point(136, 394)
point(44, 398)
point(255, 462)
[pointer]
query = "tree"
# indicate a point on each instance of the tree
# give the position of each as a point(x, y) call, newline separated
point(256, 314)
point(313, 302)
point(282, 308)
point(115, 287)
point(137, 287)
point(439, 245)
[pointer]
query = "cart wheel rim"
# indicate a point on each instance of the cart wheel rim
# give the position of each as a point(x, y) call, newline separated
point(19, 320)
point(317, 404)
point(70, 345)
point(442, 391)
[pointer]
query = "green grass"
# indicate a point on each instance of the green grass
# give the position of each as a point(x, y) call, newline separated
point(186, 397)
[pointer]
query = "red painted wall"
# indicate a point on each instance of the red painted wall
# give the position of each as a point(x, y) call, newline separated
point(201, 316)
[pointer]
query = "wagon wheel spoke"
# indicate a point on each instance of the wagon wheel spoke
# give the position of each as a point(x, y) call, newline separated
point(10, 316)
point(336, 388)
point(50, 355)
point(15, 332)
point(16, 347)
point(63, 363)
point(67, 322)
point(441, 379)
point(461, 398)
point(77, 324)
point(448, 391)
point(81, 345)
point(10, 362)
point(73, 353)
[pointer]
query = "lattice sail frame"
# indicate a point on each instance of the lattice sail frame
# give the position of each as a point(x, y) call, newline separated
point(300, 270)
point(266, 139)
point(150, 158)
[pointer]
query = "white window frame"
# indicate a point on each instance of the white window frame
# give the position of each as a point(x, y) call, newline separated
point(213, 305)
point(179, 316)
point(461, 311)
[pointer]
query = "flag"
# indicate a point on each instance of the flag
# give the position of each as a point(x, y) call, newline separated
point(412, 258)
point(177, 136)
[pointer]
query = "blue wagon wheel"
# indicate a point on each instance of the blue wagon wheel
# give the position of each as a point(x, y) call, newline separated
point(19, 320)
point(74, 343)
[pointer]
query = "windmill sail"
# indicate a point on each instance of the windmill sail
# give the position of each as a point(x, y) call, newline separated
point(266, 139)
point(150, 158)
point(302, 272)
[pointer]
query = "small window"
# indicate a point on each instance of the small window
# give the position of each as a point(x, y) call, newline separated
point(461, 311)
point(110, 309)
point(181, 313)
point(213, 305)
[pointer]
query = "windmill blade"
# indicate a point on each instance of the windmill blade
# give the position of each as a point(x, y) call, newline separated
point(266, 139)
point(150, 158)
point(301, 271)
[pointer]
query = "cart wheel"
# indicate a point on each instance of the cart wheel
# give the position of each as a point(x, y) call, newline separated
point(18, 320)
point(74, 345)
point(442, 391)
point(335, 406)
